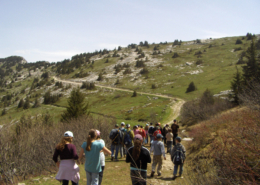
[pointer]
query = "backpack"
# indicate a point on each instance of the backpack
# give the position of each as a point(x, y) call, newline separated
point(150, 130)
point(115, 136)
point(127, 138)
point(178, 156)
point(155, 133)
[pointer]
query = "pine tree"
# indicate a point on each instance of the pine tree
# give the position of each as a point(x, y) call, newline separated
point(26, 104)
point(4, 112)
point(236, 86)
point(76, 106)
point(251, 70)
point(134, 94)
point(100, 77)
point(36, 103)
point(20, 104)
point(191, 87)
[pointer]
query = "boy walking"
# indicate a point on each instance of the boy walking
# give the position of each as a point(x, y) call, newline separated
point(158, 151)
point(178, 157)
point(169, 139)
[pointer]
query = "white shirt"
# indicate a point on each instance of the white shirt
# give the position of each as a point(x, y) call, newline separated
point(102, 155)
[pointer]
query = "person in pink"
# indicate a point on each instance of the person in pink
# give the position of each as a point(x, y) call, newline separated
point(68, 169)
point(135, 130)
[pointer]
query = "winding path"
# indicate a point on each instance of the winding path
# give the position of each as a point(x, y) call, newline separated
point(176, 103)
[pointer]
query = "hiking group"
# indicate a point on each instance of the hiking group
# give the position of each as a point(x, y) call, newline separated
point(129, 143)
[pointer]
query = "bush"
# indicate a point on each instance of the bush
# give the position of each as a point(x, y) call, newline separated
point(144, 71)
point(134, 94)
point(88, 85)
point(26, 104)
point(36, 103)
point(175, 55)
point(238, 41)
point(25, 150)
point(127, 71)
point(191, 87)
point(20, 104)
point(238, 49)
point(100, 77)
point(153, 86)
point(140, 63)
point(199, 62)
point(45, 75)
point(51, 98)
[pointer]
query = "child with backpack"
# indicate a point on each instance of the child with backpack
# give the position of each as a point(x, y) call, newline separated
point(128, 137)
point(158, 151)
point(178, 156)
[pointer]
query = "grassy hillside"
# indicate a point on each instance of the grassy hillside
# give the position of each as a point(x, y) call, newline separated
point(209, 63)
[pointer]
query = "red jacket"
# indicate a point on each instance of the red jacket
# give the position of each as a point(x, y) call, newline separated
point(155, 134)
point(142, 132)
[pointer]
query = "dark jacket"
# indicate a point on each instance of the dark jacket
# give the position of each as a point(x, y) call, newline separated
point(141, 162)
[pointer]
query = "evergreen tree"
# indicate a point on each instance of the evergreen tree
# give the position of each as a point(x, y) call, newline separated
point(4, 112)
point(100, 77)
point(236, 86)
point(36, 103)
point(20, 104)
point(251, 70)
point(76, 106)
point(26, 104)
point(134, 94)
point(207, 98)
point(191, 87)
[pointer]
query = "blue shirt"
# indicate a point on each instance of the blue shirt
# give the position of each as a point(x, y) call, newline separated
point(92, 162)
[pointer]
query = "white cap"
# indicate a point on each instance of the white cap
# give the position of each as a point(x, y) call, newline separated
point(68, 134)
point(123, 123)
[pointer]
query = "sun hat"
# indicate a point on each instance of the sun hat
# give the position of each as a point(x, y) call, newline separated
point(138, 136)
point(159, 123)
point(159, 136)
point(147, 124)
point(116, 125)
point(98, 132)
point(178, 139)
point(68, 134)
point(123, 123)
point(128, 126)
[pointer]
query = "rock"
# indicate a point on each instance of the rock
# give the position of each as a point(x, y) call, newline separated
point(21, 183)
point(36, 180)
point(46, 178)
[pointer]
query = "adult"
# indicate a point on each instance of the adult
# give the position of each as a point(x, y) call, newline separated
point(102, 158)
point(165, 131)
point(135, 130)
point(121, 145)
point(175, 129)
point(146, 133)
point(138, 157)
point(142, 133)
point(128, 137)
point(116, 139)
point(150, 132)
point(68, 169)
point(92, 149)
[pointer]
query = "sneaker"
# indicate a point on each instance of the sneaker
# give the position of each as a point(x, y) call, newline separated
point(174, 177)
point(152, 174)
point(112, 158)
point(159, 174)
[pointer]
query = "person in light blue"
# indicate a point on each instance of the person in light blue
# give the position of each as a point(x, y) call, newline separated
point(92, 149)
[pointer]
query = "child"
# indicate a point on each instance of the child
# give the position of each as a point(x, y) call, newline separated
point(102, 157)
point(178, 157)
point(68, 169)
point(158, 149)
point(169, 139)
point(138, 157)
point(92, 150)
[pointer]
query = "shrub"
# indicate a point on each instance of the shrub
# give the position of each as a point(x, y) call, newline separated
point(153, 86)
point(117, 82)
point(100, 77)
point(88, 85)
point(127, 71)
point(26, 103)
point(199, 62)
point(4, 112)
point(20, 104)
point(238, 49)
point(238, 41)
point(25, 150)
point(134, 94)
point(140, 63)
point(144, 71)
point(36, 103)
point(45, 75)
point(191, 87)
point(51, 98)
point(175, 55)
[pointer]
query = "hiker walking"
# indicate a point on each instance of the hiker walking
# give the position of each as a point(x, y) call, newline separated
point(175, 129)
point(68, 169)
point(142, 133)
point(178, 156)
point(164, 132)
point(102, 158)
point(92, 149)
point(158, 151)
point(128, 137)
point(121, 145)
point(135, 130)
point(150, 132)
point(138, 157)
point(156, 132)
point(169, 138)
point(116, 139)
point(146, 133)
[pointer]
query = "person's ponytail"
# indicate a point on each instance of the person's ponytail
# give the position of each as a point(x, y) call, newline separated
point(91, 136)
point(137, 149)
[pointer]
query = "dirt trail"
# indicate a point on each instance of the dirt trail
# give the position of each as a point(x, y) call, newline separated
point(176, 107)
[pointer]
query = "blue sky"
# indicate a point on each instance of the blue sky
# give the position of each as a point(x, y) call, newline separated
point(54, 30)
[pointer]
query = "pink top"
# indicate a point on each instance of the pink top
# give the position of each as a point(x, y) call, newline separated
point(136, 131)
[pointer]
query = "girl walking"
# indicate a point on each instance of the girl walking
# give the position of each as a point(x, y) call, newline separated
point(92, 149)
point(102, 157)
point(68, 169)
point(138, 157)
